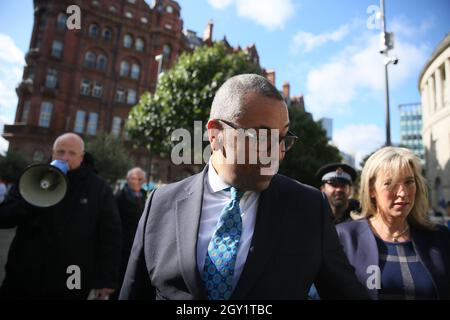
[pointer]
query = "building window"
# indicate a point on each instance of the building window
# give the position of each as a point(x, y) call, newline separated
point(85, 87)
point(132, 1)
point(107, 34)
point(92, 123)
point(46, 114)
point(140, 45)
point(51, 80)
point(93, 31)
point(167, 51)
point(79, 121)
point(144, 20)
point(97, 92)
point(102, 62)
point(131, 96)
point(61, 21)
point(120, 95)
point(127, 41)
point(129, 15)
point(116, 125)
point(112, 9)
point(135, 71)
point(168, 26)
point(38, 156)
point(89, 59)
point(169, 9)
point(57, 49)
point(25, 111)
point(124, 69)
point(95, 3)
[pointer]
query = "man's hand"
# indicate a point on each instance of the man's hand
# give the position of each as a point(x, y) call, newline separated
point(100, 294)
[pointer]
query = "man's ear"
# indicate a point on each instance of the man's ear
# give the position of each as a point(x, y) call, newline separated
point(215, 135)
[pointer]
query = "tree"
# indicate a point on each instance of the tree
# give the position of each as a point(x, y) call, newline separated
point(184, 95)
point(110, 157)
point(311, 151)
point(11, 166)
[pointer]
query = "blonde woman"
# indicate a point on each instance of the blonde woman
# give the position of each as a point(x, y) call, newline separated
point(396, 251)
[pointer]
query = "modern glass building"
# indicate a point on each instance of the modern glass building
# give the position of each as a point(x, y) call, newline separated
point(411, 128)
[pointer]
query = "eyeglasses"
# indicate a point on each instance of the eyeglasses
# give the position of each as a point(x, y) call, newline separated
point(286, 142)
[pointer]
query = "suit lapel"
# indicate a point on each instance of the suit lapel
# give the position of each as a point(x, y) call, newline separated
point(266, 231)
point(188, 210)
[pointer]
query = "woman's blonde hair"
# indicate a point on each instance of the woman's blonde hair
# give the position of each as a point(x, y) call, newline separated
point(393, 161)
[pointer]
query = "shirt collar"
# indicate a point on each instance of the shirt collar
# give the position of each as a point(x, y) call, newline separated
point(215, 182)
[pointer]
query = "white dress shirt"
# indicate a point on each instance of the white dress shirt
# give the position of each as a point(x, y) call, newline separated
point(214, 199)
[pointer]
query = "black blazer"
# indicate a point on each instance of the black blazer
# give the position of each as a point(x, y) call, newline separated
point(294, 244)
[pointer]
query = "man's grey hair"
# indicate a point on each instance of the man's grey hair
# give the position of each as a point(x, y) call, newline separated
point(69, 135)
point(229, 100)
point(138, 169)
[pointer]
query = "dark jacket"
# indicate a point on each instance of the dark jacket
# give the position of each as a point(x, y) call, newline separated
point(433, 248)
point(83, 230)
point(130, 210)
point(294, 244)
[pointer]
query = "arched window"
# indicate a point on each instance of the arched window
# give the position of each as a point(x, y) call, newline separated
point(102, 62)
point(89, 59)
point(167, 51)
point(127, 41)
point(107, 34)
point(135, 71)
point(140, 45)
point(93, 31)
point(169, 9)
point(124, 69)
point(61, 21)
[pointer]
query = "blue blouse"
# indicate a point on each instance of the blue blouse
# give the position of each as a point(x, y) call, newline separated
point(403, 275)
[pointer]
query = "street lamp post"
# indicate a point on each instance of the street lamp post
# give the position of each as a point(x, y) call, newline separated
point(386, 45)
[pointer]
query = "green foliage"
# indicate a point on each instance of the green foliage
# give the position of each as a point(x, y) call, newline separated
point(311, 151)
point(11, 166)
point(111, 158)
point(184, 95)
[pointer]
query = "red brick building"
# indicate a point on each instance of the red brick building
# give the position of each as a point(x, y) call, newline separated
point(87, 80)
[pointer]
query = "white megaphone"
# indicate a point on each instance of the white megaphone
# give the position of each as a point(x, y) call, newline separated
point(44, 185)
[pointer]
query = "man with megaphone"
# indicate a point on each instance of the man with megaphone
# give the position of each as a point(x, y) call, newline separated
point(68, 237)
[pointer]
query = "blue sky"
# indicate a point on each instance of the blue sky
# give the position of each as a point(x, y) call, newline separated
point(323, 48)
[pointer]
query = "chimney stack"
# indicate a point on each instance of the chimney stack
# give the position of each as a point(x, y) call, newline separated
point(270, 75)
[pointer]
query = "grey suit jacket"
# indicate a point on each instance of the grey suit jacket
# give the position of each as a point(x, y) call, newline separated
point(294, 244)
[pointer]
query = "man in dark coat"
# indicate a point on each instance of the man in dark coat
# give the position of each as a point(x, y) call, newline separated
point(130, 201)
point(67, 250)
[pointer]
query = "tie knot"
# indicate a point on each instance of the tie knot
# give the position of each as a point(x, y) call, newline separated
point(236, 194)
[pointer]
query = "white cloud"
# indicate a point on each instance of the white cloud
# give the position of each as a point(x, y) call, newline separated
point(359, 140)
point(11, 67)
point(9, 52)
point(220, 4)
point(271, 14)
point(357, 72)
point(305, 41)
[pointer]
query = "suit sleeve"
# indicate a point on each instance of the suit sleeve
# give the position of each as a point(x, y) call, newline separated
point(336, 278)
point(109, 242)
point(137, 284)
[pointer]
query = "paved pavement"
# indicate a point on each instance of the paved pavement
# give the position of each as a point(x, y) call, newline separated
point(6, 236)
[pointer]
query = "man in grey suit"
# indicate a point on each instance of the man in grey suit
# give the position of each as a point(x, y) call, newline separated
point(239, 230)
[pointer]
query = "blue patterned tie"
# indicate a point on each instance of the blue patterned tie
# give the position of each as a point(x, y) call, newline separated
point(222, 250)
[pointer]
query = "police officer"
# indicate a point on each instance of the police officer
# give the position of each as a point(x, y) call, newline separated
point(337, 183)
